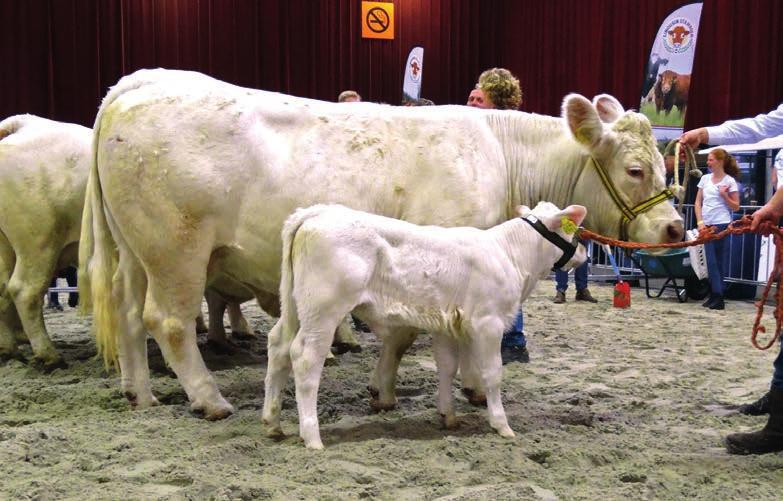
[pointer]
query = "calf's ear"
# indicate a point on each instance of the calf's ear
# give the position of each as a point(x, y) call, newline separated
point(609, 109)
point(522, 210)
point(575, 213)
point(583, 120)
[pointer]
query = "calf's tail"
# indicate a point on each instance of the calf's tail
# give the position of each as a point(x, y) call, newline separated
point(288, 310)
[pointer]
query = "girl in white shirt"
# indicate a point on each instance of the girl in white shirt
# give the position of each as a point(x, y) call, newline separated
point(717, 198)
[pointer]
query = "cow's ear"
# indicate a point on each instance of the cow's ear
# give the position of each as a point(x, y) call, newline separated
point(609, 109)
point(576, 213)
point(583, 120)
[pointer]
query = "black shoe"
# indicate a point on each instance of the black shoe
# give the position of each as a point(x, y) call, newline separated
point(57, 307)
point(718, 304)
point(767, 439)
point(709, 300)
point(757, 408)
point(584, 295)
point(511, 354)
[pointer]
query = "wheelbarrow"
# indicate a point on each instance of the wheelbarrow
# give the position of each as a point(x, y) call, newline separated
point(673, 265)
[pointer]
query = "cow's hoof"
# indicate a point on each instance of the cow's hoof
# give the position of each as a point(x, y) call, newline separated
point(12, 354)
point(449, 422)
point(338, 348)
point(222, 347)
point(373, 391)
point(140, 403)
point(201, 329)
point(315, 445)
point(378, 406)
point(213, 412)
point(242, 335)
point(47, 365)
point(475, 398)
point(331, 361)
point(274, 432)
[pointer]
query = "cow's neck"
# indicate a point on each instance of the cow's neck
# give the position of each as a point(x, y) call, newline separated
point(543, 162)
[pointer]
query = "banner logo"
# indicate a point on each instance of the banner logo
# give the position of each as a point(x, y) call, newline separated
point(415, 69)
point(678, 35)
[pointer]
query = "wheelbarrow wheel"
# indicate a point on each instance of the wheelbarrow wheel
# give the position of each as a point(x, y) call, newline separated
point(697, 289)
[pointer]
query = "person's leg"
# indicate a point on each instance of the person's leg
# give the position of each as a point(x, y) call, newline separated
point(769, 438)
point(561, 284)
point(720, 248)
point(70, 277)
point(514, 344)
point(580, 280)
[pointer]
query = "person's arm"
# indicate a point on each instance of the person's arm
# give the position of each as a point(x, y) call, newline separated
point(695, 137)
point(730, 199)
point(697, 208)
point(772, 211)
point(774, 179)
point(748, 130)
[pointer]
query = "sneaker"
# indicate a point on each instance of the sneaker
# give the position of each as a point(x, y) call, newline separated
point(517, 354)
point(584, 295)
point(559, 298)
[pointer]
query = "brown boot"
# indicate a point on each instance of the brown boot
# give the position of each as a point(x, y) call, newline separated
point(584, 295)
point(767, 439)
point(559, 297)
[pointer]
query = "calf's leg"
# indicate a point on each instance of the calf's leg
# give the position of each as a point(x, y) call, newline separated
point(278, 368)
point(445, 349)
point(486, 339)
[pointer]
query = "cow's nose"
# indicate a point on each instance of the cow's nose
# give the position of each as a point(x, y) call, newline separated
point(675, 231)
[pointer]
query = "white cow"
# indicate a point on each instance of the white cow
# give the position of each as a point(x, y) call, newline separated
point(44, 167)
point(463, 285)
point(194, 178)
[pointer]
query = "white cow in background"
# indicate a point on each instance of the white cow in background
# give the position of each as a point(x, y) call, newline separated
point(44, 167)
point(194, 177)
point(463, 285)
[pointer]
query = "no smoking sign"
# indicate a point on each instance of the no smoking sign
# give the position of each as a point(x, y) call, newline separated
point(378, 20)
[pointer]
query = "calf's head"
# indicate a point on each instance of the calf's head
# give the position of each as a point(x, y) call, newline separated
point(563, 224)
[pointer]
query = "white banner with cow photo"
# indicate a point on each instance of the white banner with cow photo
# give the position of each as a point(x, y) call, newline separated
point(667, 79)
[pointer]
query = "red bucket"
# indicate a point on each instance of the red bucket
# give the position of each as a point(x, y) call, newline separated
point(622, 295)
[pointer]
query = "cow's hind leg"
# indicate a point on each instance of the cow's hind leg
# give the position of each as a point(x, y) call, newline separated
point(384, 378)
point(10, 325)
point(27, 286)
point(318, 319)
point(173, 300)
point(278, 369)
point(445, 349)
point(129, 287)
point(486, 338)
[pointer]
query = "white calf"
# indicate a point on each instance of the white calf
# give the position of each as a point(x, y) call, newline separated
point(463, 285)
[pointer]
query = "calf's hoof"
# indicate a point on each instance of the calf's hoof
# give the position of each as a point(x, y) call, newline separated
point(474, 397)
point(315, 445)
point(505, 431)
point(242, 335)
point(11, 354)
point(378, 406)
point(221, 347)
point(275, 432)
point(449, 421)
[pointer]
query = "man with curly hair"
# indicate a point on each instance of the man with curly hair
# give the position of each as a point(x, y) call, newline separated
point(498, 89)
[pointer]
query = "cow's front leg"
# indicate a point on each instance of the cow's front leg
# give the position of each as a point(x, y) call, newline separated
point(472, 385)
point(395, 342)
point(344, 338)
point(445, 350)
point(486, 341)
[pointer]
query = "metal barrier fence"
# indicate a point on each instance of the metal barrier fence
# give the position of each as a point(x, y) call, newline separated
point(749, 257)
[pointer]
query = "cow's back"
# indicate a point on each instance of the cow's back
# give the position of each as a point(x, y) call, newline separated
point(179, 148)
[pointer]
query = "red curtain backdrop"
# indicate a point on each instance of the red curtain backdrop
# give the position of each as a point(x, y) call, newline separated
point(60, 56)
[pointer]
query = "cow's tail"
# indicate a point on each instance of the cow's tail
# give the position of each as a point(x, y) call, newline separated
point(97, 247)
point(288, 310)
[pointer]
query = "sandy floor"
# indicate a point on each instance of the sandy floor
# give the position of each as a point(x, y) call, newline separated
point(615, 404)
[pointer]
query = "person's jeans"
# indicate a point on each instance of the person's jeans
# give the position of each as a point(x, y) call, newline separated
point(580, 278)
point(69, 274)
point(777, 372)
point(515, 336)
point(715, 252)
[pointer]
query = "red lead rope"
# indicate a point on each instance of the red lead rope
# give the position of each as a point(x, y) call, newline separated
point(708, 234)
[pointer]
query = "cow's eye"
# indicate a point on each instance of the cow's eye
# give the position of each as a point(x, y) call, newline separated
point(635, 172)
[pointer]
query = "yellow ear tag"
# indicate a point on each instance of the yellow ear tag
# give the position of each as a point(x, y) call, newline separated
point(568, 225)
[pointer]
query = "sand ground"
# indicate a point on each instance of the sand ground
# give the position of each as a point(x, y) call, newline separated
point(615, 404)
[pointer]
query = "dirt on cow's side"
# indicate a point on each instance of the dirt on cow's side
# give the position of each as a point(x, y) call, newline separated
point(615, 404)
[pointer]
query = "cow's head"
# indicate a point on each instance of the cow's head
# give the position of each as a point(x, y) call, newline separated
point(668, 80)
point(677, 35)
point(621, 145)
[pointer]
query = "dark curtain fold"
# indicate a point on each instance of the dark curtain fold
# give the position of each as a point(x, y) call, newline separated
point(60, 56)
